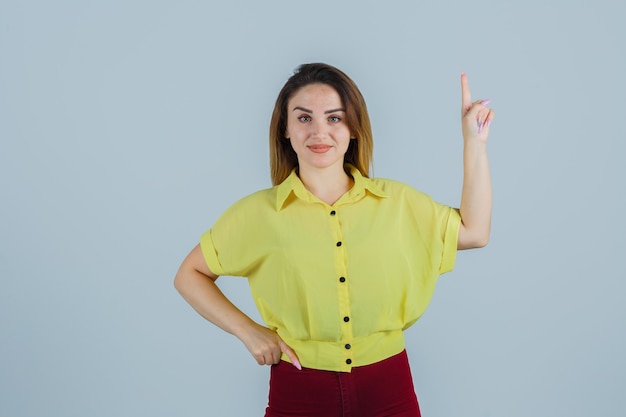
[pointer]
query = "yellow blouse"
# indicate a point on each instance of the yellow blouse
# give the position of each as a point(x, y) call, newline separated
point(338, 283)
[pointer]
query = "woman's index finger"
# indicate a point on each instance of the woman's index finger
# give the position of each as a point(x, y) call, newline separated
point(466, 96)
point(287, 350)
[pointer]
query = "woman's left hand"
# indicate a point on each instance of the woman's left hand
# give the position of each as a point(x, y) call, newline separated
point(476, 117)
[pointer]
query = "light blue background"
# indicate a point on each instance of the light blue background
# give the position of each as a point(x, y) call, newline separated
point(127, 127)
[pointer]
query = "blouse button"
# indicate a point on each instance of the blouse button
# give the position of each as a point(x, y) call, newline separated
point(348, 346)
point(333, 212)
point(348, 361)
point(342, 279)
point(338, 243)
point(346, 319)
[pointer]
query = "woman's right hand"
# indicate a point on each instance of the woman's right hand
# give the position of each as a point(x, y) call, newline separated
point(266, 346)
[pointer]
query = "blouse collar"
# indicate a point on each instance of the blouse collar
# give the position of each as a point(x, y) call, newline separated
point(292, 187)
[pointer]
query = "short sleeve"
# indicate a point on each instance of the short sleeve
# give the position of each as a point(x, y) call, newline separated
point(210, 254)
point(450, 223)
point(233, 246)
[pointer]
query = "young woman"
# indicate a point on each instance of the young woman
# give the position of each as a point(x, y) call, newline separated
point(339, 264)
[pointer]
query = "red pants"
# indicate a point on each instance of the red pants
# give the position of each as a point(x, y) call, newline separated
point(382, 389)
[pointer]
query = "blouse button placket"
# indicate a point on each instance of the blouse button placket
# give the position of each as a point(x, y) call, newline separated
point(342, 287)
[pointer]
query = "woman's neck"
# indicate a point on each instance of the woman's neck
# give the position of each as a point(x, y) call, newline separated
point(326, 184)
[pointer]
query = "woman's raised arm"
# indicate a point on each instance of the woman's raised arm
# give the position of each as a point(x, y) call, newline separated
point(476, 197)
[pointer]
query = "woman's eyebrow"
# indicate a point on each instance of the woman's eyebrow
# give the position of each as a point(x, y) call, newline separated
point(335, 110)
point(311, 111)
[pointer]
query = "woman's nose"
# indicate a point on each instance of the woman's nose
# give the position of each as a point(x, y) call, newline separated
point(319, 127)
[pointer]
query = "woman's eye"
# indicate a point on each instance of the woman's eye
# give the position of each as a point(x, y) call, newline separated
point(334, 119)
point(304, 118)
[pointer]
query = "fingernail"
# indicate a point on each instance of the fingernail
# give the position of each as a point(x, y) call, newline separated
point(296, 363)
point(485, 102)
point(488, 123)
point(479, 123)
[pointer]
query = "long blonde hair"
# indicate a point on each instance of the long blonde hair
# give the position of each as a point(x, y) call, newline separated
point(283, 159)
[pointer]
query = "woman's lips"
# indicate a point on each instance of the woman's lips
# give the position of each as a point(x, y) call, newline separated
point(319, 148)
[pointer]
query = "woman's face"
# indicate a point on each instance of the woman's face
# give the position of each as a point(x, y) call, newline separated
point(316, 127)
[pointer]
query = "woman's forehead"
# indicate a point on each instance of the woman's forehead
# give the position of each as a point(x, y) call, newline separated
point(317, 94)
